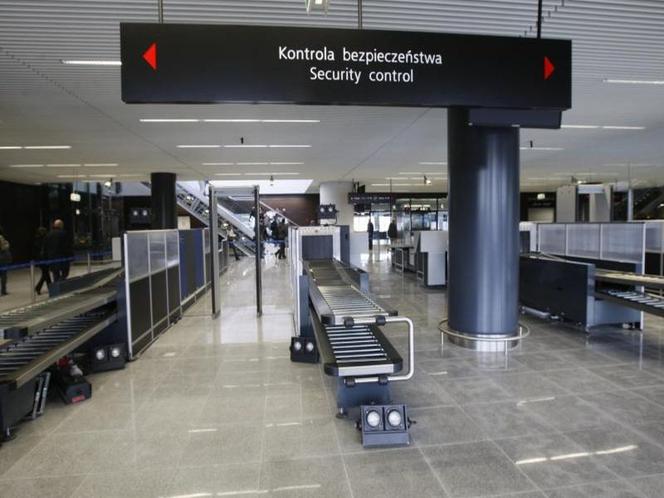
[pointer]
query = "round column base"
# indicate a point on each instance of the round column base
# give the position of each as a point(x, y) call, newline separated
point(490, 343)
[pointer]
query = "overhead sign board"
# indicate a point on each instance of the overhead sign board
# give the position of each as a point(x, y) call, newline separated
point(180, 63)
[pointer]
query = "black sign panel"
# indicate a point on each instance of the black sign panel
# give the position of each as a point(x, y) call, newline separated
point(368, 197)
point(177, 63)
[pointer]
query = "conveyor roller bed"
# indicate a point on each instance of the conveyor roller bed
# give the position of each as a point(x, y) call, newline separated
point(40, 334)
point(634, 299)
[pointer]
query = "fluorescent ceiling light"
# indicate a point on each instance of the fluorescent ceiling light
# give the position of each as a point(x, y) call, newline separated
point(63, 165)
point(100, 165)
point(290, 120)
point(198, 146)
point(279, 146)
point(623, 127)
point(71, 176)
point(10, 147)
point(285, 164)
point(231, 120)
point(262, 173)
point(433, 163)
point(244, 146)
point(169, 120)
point(603, 127)
point(47, 147)
point(579, 127)
point(91, 62)
point(380, 184)
point(635, 82)
point(102, 176)
point(542, 148)
point(225, 120)
point(26, 165)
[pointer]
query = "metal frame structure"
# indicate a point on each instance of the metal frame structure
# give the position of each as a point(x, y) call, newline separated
point(213, 196)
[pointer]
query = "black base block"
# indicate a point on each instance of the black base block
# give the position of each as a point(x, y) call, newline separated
point(303, 350)
point(384, 425)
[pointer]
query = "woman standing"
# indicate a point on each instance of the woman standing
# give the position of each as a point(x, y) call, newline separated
point(38, 254)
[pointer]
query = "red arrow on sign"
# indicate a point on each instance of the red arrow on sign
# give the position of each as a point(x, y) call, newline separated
point(549, 68)
point(150, 56)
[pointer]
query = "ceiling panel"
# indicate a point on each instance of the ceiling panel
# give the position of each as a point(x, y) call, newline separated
point(43, 101)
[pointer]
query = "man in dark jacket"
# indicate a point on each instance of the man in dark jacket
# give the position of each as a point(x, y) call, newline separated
point(370, 232)
point(5, 259)
point(57, 245)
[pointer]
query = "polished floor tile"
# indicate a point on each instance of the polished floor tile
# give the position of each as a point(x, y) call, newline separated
point(216, 408)
point(475, 469)
point(396, 473)
point(554, 460)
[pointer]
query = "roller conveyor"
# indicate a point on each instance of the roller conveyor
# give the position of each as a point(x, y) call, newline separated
point(346, 325)
point(30, 319)
point(22, 360)
point(634, 299)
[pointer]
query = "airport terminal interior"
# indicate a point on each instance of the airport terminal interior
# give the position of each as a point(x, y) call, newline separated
point(332, 248)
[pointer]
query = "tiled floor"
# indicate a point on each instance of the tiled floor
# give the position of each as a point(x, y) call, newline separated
point(215, 408)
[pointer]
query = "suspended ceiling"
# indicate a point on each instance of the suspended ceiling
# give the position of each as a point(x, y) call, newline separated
point(45, 102)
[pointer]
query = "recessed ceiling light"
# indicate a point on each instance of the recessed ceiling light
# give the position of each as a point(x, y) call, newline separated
point(63, 165)
point(91, 62)
point(26, 165)
point(10, 147)
point(100, 165)
point(433, 163)
point(198, 146)
point(542, 148)
point(635, 82)
point(217, 164)
point(47, 147)
point(169, 120)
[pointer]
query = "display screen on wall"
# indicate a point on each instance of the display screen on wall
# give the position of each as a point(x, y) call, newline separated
point(181, 63)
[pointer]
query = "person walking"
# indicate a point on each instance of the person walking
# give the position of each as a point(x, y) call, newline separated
point(232, 237)
point(392, 231)
point(5, 259)
point(282, 232)
point(57, 246)
point(370, 232)
point(39, 254)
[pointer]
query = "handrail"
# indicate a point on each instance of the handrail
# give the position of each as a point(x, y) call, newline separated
point(290, 222)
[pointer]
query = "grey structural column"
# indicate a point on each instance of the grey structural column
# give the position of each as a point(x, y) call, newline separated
point(164, 203)
point(483, 286)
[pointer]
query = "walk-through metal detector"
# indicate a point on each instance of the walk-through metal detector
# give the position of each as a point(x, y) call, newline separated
point(214, 194)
